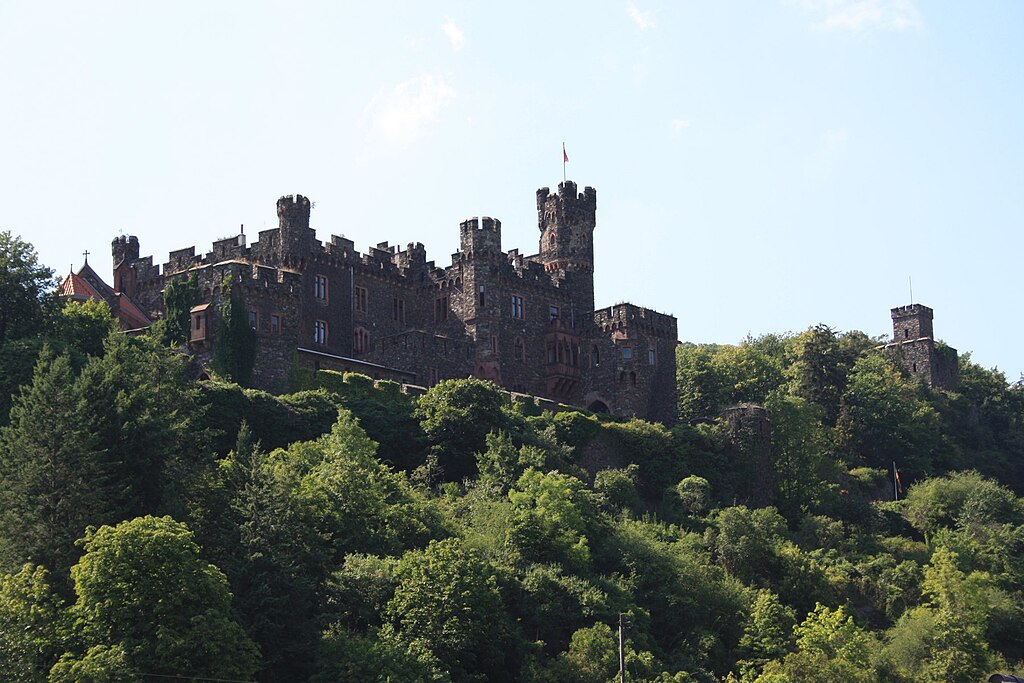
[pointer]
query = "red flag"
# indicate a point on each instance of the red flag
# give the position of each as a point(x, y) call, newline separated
point(565, 157)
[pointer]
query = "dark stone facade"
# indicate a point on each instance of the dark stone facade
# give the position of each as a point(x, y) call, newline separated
point(913, 344)
point(528, 323)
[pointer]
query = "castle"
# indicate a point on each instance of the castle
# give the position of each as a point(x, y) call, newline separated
point(527, 323)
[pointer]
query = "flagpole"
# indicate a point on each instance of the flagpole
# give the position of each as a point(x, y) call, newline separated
point(564, 156)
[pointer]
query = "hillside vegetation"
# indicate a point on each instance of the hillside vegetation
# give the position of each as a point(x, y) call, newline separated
point(156, 527)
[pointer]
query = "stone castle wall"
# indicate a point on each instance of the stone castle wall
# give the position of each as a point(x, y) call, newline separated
point(526, 322)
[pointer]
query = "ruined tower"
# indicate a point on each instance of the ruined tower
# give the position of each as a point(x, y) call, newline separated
point(567, 221)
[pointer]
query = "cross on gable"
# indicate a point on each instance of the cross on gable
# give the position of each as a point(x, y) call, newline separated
point(86, 255)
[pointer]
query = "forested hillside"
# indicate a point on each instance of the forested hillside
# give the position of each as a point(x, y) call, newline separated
point(156, 527)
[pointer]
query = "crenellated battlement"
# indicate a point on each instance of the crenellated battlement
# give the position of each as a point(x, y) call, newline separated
point(479, 236)
point(627, 315)
point(293, 212)
point(567, 206)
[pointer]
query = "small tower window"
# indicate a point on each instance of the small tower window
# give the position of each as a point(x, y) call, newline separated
point(595, 356)
point(517, 349)
point(906, 333)
point(254, 320)
point(651, 357)
point(320, 332)
point(483, 296)
point(553, 313)
point(361, 297)
point(275, 324)
point(627, 353)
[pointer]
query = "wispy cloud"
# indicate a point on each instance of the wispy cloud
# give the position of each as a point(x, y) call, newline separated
point(455, 35)
point(398, 116)
point(676, 126)
point(643, 20)
point(861, 15)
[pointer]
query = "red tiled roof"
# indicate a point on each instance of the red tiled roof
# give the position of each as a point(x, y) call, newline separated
point(131, 313)
point(77, 288)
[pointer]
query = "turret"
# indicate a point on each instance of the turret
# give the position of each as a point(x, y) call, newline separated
point(124, 248)
point(480, 237)
point(567, 221)
point(293, 212)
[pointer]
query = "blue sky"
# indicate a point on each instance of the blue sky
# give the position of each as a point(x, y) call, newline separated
point(760, 166)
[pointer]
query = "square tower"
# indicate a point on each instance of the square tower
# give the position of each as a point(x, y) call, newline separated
point(911, 322)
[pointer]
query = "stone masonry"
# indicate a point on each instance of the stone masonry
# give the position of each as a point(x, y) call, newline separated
point(528, 323)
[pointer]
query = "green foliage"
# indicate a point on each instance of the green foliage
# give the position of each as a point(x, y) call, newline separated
point(151, 566)
point(26, 289)
point(83, 326)
point(457, 415)
point(447, 604)
point(180, 296)
point(550, 518)
point(694, 493)
point(234, 353)
point(885, 420)
point(746, 543)
point(33, 626)
point(767, 634)
point(963, 500)
point(99, 664)
point(712, 377)
point(618, 487)
point(651, 448)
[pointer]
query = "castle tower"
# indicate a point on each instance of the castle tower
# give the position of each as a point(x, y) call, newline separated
point(125, 250)
point(567, 221)
point(911, 322)
point(480, 238)
point(293, 222)
point(913, 342)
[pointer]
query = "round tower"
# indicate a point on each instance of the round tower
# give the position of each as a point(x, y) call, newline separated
point(293, 221)
point(567, 221)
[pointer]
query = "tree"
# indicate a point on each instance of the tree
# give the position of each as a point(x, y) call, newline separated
point(26, 288)
point(818, 369)
point(83, 325)
point(142, 586)
point(55, 472)
point(550, 516)
point(457, 415)
point(234, 354)
point(767, 634)
point(885, 420)
point(447, 604)
point(33, 626)
point(180, 295)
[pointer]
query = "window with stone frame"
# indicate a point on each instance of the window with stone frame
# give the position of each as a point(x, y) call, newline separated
point(627, 353)
point(320, 332)
point(483, 295)
point(361, 299)
point(518, 350)
point(361, 342)
point(553, 313)
point(275, 323)
point(398, 309)
point(652, 356)
point(517, 307)
point(320, 288)
point(441, 309)
point(254, 319)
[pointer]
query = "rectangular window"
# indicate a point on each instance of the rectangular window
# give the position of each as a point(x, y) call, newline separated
point(398, 309)
point(275, 324)
point(494, 344)
point(627, 353)
point(320, 332)
point(483, 296)
point(254, 320)
point(651, 357)
point(441, 309)
point(552, 313)
point(320, 288)
point(517, 307)
point(361, 296)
